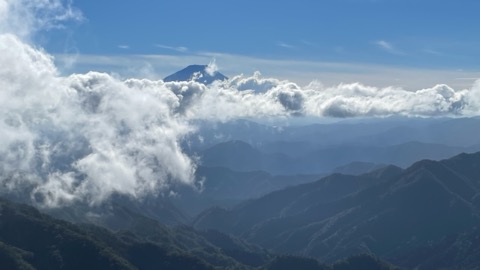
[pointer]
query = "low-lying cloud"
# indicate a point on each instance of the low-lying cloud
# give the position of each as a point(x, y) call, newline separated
point(87, 136)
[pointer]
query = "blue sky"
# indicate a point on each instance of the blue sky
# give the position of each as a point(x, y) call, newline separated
point(400, 35)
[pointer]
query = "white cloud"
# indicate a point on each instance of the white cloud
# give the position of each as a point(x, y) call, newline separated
point(351, 100)
point(285, 45)
point(86, 136)
point(384, 45)
point(25, 17)
point(212, 68)
point(123, 47)
point(172, 48)
point(388, 47)
point(255, 82)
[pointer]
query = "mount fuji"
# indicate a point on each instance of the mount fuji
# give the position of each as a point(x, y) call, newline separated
point(199, 73)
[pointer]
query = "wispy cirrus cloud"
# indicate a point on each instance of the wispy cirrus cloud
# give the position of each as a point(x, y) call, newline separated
point(172, 48)
point(300, 71)
point(432, 52)
point(123, 46)
point(308, 43)
point(388, 47)
point(285, 45)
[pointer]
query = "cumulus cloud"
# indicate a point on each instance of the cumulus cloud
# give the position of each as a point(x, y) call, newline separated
point(211, 68)
point(257, 97)
point(255, 82)
point(26, 17)
point(350, 100)
point(87, 136)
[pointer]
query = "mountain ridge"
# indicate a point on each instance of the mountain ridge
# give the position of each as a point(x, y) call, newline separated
point(31, 240)
point(198, 73)
point(389, 212)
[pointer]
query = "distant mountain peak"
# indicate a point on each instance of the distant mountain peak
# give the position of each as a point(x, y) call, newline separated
point(205, 74)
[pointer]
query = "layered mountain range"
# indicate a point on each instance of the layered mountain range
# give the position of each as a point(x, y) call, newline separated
point(414, 217)
point(425, 216)
point(32, 240)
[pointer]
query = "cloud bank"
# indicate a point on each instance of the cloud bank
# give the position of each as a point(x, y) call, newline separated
point(87, 136)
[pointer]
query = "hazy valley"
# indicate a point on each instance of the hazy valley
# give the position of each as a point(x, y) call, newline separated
point(298, 201)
